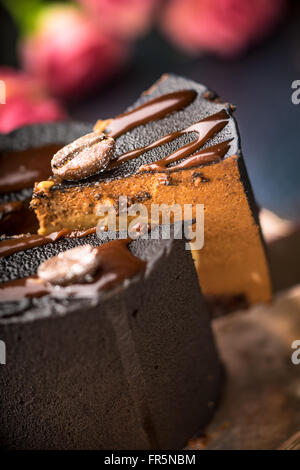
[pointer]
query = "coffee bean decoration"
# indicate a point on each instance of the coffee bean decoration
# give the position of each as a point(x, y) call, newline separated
point(73, 266)
point(84, 157)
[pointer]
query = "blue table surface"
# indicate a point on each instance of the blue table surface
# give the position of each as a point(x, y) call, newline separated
point(259, 84)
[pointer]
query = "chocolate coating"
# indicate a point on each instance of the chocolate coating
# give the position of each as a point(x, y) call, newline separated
point(133, 368)
point(35, 136)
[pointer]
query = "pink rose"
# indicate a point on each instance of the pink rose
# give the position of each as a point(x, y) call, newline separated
point(225, 27)
point(20, 84)
point(69, 53)
point(124, 18)
point(26, 102)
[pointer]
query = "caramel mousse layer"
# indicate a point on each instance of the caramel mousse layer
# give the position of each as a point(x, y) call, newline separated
point(232, 261)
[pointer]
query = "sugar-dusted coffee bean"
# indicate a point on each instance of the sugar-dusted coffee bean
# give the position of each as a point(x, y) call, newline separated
point(73, 266)
point(83, 157)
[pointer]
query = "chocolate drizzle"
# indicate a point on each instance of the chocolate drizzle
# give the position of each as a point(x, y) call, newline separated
point(9, 207)
point(16, 217)
point(117, 264)
point(151, 111)
point(21, 169)
point(25, 242)
point(207, 155)
point(205, 129)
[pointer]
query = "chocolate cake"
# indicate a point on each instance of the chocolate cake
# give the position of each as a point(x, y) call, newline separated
point(25, 156)
point(178, 144)
point(108, 340)
point(131, 366)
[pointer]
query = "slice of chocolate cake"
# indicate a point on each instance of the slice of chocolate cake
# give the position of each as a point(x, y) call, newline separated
point(122, 359)
point(178, 144)
point(25, 156)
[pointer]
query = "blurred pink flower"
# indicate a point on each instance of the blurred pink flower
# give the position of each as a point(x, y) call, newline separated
point(225, 27)
point(123, 18)
point(26, 102)
point(69, 53)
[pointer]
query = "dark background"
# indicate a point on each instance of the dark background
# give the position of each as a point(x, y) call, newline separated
point(259, 84)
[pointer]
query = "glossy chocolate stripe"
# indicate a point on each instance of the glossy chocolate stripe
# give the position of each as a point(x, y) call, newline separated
point(21, 169)
point(9, 207)
point(20, 289)
point(22, 243)
point(117, 264)
point(16, 217)
point(208, 155)
point(205, 129)
point(150, 111)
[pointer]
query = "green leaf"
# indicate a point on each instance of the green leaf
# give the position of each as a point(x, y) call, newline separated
point(24, 13)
